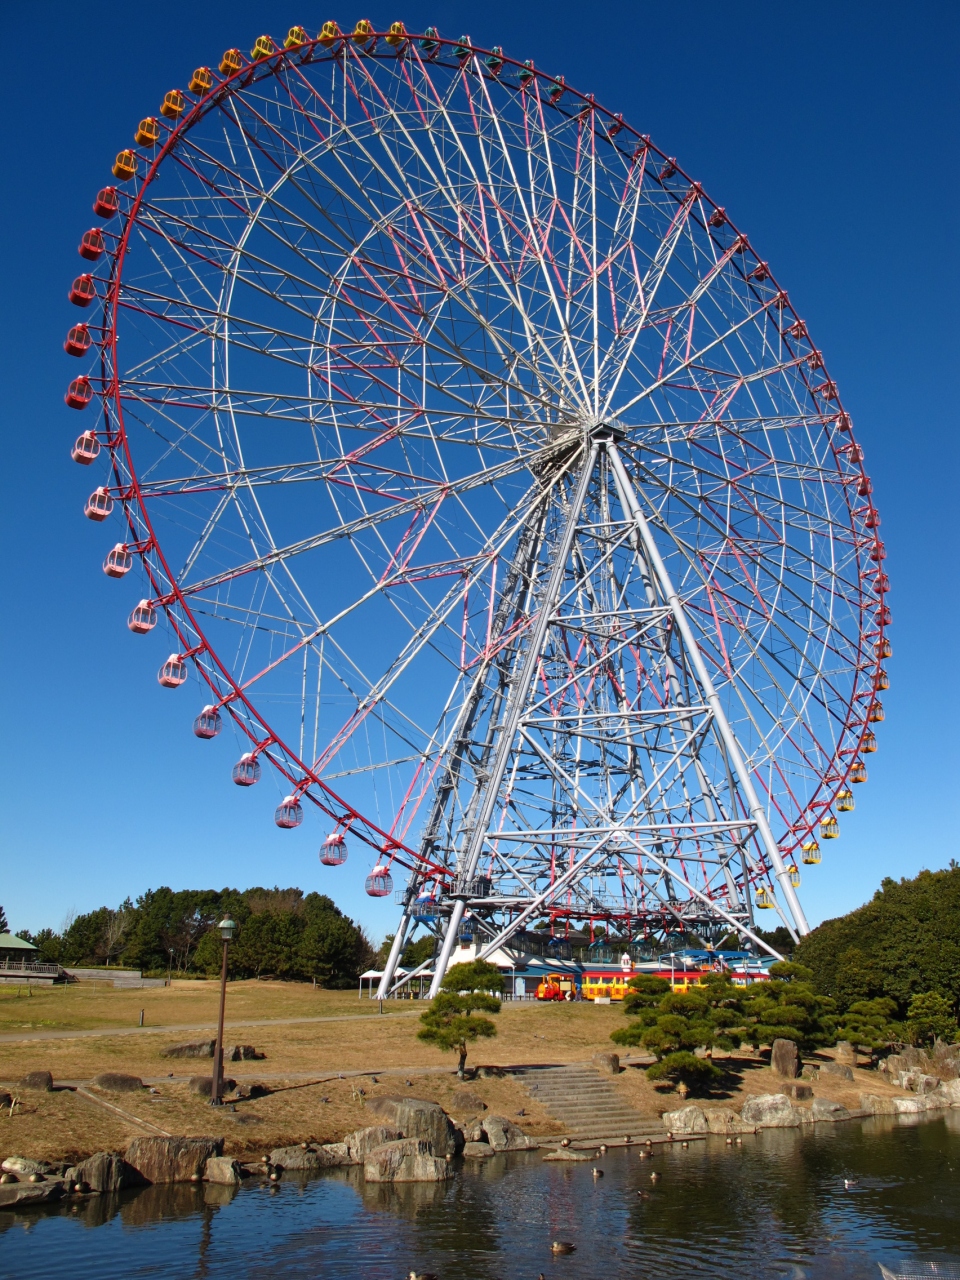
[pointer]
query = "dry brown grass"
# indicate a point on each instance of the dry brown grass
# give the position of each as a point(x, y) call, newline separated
point(65, 1124)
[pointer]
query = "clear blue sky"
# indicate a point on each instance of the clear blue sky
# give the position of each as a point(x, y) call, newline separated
point(829, 132)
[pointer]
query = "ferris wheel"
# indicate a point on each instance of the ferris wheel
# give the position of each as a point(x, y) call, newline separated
point(488, 484)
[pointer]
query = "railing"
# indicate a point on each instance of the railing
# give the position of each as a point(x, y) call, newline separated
point(36, 970)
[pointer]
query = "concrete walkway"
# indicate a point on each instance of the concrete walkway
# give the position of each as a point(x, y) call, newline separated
point(23, 1036)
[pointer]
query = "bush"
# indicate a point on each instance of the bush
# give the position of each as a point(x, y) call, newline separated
point(930, 1017)
point(683, 1067)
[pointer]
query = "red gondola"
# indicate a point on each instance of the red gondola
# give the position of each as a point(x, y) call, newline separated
point(92, 244)
point(82, 291)
point(333, 851)
point(142, 619)
point(208, 723)
point(99, 505)
point(289, 813)
point(118, 562)
point(173, 673)
point(246, 771)
point(107, 203)
point(78, 341)
point(79, 393)
point(379, 883)
point(85, 449)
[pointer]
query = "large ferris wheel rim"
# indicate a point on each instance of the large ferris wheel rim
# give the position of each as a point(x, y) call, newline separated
point(249, 73)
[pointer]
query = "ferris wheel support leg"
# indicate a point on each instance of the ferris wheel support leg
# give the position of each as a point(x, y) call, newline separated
point(396, 950)
point(517, 704)
point(757, 811)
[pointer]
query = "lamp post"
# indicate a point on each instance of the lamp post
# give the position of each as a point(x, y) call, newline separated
point(170, 967)
point(226, 927)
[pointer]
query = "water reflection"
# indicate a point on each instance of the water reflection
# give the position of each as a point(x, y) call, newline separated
point(775, 1207)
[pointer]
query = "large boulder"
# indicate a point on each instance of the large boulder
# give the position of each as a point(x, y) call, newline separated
point(417, 1118)
point(467, 1102)
point(503, 1135)
point(724, 1120)
point(23, 1167)
point(845, 1053)
point(824, 1109)
point(359, 1144)
point(243, 1053)
point(302, 1159)
point(477, 1151)
point(195, 1049)
point(568, 1153)
point(607, 1063)
point(784, 1060)
point(687, 1120)
point(21, 1195)
point(105, 1172)
point(222, 1170)
point(407, 1160)
point(841, 1069)
point(117, 1082)
point(172, 1159)
point(770, 1111)
point(950, 1091)
point(876, 1106)
point(799, 1092)
point(41, 1080)
point(338, 1152)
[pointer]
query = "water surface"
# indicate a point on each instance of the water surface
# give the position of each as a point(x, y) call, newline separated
point(774, 1207)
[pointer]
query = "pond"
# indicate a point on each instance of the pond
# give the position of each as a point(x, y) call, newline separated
point(776, 1206)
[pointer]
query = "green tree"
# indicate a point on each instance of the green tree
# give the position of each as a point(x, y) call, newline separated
point(788, 1008)
point(451, 1022)
point(904, 942)
point(870, 1023)
point(930, 1017)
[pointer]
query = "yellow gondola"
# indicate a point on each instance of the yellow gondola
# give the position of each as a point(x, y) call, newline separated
point(845, 801)
point(362, 32)
point(330, 33)
point(765, 899)
point(200, 81)
point(883, 648)
point(148, 133)
point(829, 828)
point(793, 871)
point(263, 47)
point(858, 771)
point(396, 35)
point(173, 105)
point(125, 165)
point(869, 743)
point(883, 680)
point(810, 853)
point(296, 36)
point(231, 62)
point(875, 714)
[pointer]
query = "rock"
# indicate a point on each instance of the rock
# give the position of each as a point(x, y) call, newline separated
point(196, 1049)
point(407, 1160)
point(222, 1169)
point(470, 1103)
point(338, 1152)
point(5, 1098)
point(503, 1135)
point(840, 1069)
point(172, 1159)
point(846, 1053)
point(799, 1092)
point(203, 1085)
point(21, 1195)
point(950, 1091)
point(908, 1106)
point(687, 1120)
point(770, 1111)
point(251, 1091)
point(783, 1059)
point(23, 1166)
point(117, 1082)
point(416, 1118)
point(810, 1072)
point(824, 1109)
point(358, 1145)
point(42, 1080)
point(724, 1120)
point(607, 1063)
point(926, 1084)
point(106, 1171)
point(489, 1073)
point(568, 1153)
point(477, 1151)
point(308, 1159)
point(243, 1053)
point(875, 1106)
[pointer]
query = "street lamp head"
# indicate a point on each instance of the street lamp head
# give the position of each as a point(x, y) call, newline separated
point(226, 927)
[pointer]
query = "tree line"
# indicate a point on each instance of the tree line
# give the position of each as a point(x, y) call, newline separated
point(281, 933)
